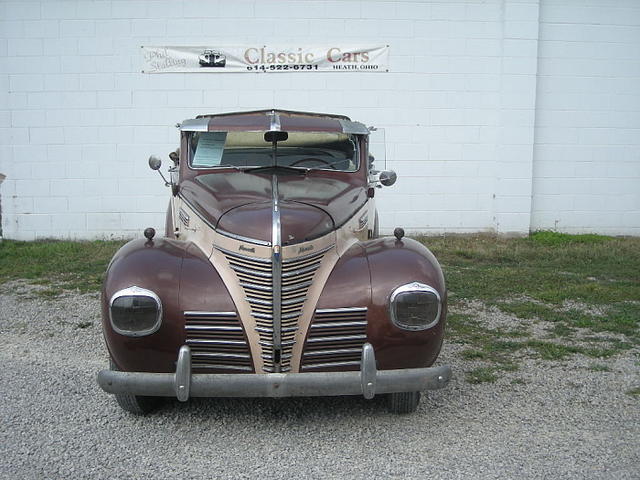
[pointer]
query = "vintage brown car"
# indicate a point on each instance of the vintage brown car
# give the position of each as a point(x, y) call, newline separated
point(271, 279)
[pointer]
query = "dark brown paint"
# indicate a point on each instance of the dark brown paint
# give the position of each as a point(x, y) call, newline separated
point(241, 203)
point(184, 279)
point(365, 276)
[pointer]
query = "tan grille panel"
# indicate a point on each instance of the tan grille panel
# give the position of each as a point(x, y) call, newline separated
point(256, 280)
point(255, 277)
point(297, 276)
point(217, 342)
point(335, 339)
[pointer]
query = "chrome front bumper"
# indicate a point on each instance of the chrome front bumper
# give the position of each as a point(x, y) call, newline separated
point(183, 384)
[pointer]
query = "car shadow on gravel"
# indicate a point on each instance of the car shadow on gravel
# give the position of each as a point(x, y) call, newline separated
point(277, 409)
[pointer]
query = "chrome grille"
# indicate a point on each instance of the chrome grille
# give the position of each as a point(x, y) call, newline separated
point(256, 278)
point(217, 342)
point(297, 276)
point(335, 339)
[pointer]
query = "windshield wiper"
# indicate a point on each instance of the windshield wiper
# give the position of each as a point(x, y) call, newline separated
point(298, 170)
point(329, 165)
point(225, 165)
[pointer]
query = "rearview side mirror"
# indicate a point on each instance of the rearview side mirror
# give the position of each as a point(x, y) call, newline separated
point(154, 163)
point(388, 177)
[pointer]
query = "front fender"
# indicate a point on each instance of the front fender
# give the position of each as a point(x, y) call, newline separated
point(366, 275)
point(184, 279)
point(393, 263)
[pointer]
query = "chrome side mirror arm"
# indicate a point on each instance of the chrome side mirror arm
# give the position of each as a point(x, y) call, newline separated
point(380, 178)
point(154, 164)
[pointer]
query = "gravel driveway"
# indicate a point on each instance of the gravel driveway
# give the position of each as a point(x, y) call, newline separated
point(564, 421)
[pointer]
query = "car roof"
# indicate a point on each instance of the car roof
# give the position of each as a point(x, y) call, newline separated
point(265, 120)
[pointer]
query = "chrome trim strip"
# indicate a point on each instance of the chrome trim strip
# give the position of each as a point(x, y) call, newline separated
point(216, 342)
point(276, 264)
point(338, 324)
point(296, 286)
point(195, 125)
point(337, 351)
point(301, 271)
point(220, 355)
point(258, 301)
point(222, 367)
point(284, 355)
point(336, 338)
point(256, 287)
point(341, 310)
point(213, 328)
point(330, 364)
point(270, 330)
point(199, 313)
point(293, 301)
point(270, 344)
point(256, 273)
point(413, 287)
point(135, 291)
point(275, 121)
point(244, 239)
point(357, 128)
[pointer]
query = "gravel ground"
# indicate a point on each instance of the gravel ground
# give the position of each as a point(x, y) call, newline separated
point(564, 421)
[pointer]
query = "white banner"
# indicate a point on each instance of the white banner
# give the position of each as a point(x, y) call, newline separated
point(266, 59)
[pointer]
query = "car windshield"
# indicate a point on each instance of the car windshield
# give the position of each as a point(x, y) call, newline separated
point(325, 151)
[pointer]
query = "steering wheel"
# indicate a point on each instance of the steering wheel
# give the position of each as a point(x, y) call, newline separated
point(318, 160)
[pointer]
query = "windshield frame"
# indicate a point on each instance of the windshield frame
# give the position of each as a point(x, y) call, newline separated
point(354, 138)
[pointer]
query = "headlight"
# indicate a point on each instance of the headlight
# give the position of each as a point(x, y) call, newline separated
point(415, 306)
point(135, 312)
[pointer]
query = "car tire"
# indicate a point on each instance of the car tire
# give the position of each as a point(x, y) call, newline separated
point(403, 402)
point(136, 404)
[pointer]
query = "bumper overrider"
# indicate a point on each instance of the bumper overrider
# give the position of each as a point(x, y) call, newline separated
point(183, 384)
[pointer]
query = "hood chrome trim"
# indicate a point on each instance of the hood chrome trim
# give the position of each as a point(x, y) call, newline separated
point(275, 121)
point(276, 269)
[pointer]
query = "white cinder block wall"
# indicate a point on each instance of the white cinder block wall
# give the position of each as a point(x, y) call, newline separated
point(586, 175)
point(500, 115)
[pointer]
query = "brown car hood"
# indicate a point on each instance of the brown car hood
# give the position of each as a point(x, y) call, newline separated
point(311, 205)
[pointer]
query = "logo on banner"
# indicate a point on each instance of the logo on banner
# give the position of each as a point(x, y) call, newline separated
point(212, 58)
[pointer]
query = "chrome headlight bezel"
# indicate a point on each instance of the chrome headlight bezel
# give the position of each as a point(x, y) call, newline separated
point(413, 287)
point(135, 291)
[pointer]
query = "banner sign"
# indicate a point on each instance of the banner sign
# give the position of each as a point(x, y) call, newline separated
point(266, 59)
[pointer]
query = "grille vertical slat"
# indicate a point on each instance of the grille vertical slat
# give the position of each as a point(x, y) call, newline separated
point(335, 339)
point(217, 342)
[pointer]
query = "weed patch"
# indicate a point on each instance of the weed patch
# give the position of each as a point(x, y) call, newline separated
point(59, 265)
point(634, 392)
point(482, 375)
point(599, 367)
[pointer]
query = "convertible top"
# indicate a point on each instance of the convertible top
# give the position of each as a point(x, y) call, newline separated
point(274, 120)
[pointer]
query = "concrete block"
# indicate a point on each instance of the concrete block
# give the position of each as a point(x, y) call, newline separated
point(21, 47)
point(47, 29)
point(59, 10)
point(109, 222)
point(77, 28)
point(22, 10)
